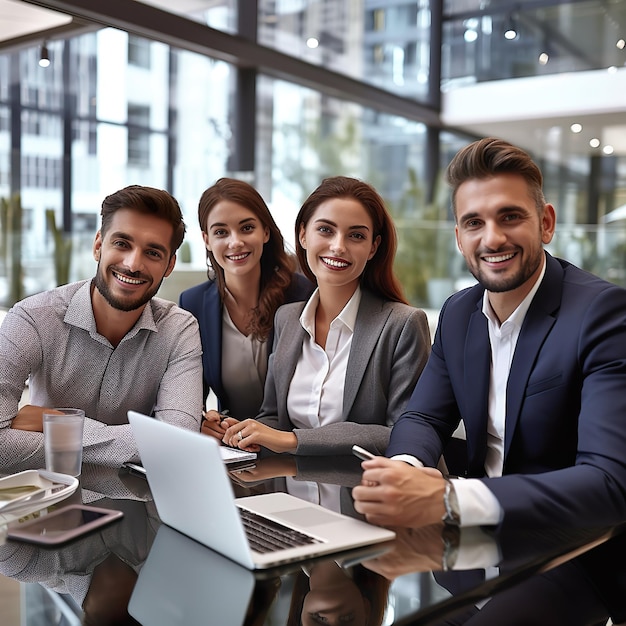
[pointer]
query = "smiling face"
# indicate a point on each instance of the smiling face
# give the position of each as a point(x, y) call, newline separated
point(235, 236)
point(133, 258)
point(339, 241)
point(501, 233)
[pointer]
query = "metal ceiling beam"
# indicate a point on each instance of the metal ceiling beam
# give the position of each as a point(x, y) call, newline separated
point(175, 30)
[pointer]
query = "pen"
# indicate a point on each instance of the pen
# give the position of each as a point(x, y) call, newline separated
point(222, 414)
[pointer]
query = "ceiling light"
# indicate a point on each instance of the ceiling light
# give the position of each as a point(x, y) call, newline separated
point(576, 128)
point(544, 57)
point(594, 143)
point(607, 149)
point(470, 35)
point(510, 29)
point(312, 42)
point(621, 44)
point(44, 56)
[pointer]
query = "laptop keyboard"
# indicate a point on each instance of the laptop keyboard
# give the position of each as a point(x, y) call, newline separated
point(265, 535)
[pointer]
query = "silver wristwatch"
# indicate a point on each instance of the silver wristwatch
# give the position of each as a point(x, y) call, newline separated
point(451, 504)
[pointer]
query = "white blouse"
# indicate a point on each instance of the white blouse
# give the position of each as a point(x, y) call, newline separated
point(244, 368)
point(315, 396)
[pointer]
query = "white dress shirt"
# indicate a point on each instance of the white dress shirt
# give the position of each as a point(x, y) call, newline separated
point(315, 396)
point(477, 503)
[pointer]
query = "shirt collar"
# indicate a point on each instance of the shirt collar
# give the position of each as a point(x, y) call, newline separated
point(80, 313)
point(517, 317)
point(347, 316)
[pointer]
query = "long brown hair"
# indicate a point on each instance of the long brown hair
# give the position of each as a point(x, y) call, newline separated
point(373, 587)
point(378, 275)
point(277, 266)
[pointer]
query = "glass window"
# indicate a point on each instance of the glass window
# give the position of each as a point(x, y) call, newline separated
point(138, 51)
point(542, 38)
point(385, 45)
point(155, 115)
point(138, 134)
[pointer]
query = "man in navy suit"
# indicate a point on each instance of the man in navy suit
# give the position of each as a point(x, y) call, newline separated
point(532, 359)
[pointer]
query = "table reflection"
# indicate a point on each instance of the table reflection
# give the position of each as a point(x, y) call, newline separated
point(328, 593)
point(138, 571)
point(95, 574)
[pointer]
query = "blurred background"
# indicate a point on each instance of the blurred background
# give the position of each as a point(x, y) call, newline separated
point(97, 95)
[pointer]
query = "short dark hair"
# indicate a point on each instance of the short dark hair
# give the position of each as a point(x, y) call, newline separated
point(148, 200)
point(378, 275)
point(491, 156)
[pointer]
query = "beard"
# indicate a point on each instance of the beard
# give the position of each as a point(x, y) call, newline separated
point(505, 283)
point(122, 304)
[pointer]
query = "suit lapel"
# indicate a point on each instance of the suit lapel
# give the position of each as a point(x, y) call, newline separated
point(477, 368)
point(367, 330)
point(212, 330)
point(286, 359)
point(537, 324)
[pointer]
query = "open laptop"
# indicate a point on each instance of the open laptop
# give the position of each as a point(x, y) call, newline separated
point(193, 494)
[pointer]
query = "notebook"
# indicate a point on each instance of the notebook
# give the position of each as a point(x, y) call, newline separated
point(193, 494)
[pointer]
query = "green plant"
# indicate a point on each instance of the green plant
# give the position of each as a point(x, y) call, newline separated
point(62, 249)
point(184, 253)
point(11, 245)
point(318, 148)
point(424, 240)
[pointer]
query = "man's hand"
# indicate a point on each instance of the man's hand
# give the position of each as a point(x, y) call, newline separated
point(394, 493)
point(414, 550)
point(30, 417)
point(250, 435)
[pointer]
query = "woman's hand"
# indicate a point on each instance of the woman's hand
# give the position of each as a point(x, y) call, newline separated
point(215, 424)
point(269, 467)
point(250, 435)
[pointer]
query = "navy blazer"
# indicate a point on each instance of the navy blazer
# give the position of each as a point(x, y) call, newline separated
point(205, 303)
point(565, 429)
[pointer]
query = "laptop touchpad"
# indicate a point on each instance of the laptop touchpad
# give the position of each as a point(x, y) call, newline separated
point(307, 517)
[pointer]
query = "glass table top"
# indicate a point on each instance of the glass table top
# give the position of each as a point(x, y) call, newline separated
point(138, 570)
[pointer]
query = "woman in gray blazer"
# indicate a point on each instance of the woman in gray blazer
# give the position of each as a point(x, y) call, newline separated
point(344, 363)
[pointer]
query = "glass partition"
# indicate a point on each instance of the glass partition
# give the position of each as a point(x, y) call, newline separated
point(115, 109)
point(498, 40)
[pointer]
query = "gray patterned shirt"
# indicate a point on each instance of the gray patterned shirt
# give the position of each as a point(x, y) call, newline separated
point(51, 338)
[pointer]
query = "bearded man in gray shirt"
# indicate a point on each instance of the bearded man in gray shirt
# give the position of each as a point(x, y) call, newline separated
point(105, 345)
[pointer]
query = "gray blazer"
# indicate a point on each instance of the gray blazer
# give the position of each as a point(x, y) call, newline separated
point(390, 347)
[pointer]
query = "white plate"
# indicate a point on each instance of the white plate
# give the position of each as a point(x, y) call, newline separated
point(51, 488)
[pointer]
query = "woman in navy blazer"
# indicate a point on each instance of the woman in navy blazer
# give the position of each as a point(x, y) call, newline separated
point(250, 275)
point(343, 364)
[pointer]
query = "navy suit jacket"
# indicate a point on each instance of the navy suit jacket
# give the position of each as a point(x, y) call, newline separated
point(205, 303)
point(565, 429)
